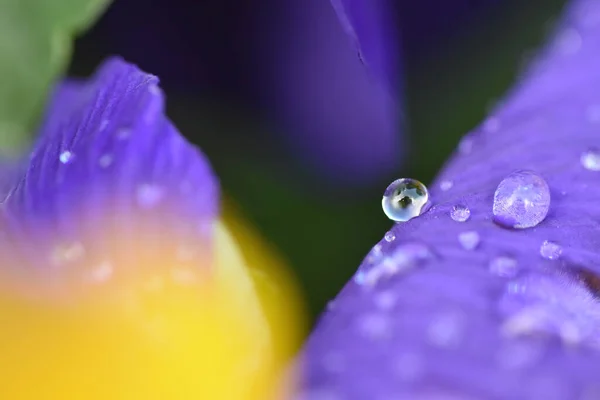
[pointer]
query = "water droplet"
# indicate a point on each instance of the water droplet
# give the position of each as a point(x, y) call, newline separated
point(123, 133)
point(385, 300)
point(149, 195)
point(460, 213)
point(569, 41)
point(404, 199)
point(67, 253)
point(390, 236)
point(504, 266)
point(403, 259)
point(465, 146)
point(374, 326)
point(491, 125)
point(105, 160)
point(558, 303)
point(550, 250)
point(521, 200)
point(469, 240)
point(445, 330)
point(65, 156)
point(590, 159)
point(100, 273)
point(446, 185)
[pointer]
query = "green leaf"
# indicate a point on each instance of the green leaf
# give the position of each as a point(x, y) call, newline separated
point(35, 46)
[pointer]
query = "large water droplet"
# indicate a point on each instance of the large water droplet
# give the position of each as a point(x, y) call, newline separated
point(550, 250)
point(404, 199)
point(460, 213)
point(504, 266)
point(590, 159)
point(521, 200)
point(469, 240)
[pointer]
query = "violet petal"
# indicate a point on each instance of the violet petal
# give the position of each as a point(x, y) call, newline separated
point(107, 154)
point(500, 321)
point(338, 120)
point(371, 26)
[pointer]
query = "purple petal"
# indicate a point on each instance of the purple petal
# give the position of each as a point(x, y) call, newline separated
point(371, 26)
point(108, 160)
point(511, 318)
point(339, 121)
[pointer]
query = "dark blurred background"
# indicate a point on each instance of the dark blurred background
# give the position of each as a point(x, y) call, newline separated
point(301, 135)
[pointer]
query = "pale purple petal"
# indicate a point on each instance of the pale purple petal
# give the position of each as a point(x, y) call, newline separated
point(505, 320)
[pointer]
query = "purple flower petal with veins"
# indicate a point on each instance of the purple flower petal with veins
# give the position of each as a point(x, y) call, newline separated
point(502, 320)
point(107, 157)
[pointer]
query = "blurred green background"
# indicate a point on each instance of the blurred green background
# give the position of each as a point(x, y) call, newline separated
point(323, 229)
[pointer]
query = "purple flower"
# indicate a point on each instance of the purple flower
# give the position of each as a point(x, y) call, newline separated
point(516, 315)
point(107, 160)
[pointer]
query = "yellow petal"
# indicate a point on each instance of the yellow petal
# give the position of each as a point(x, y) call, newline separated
point(152, 337)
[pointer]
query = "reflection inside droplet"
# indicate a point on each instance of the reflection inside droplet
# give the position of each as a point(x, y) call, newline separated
point(522, 200)
point(404, 199)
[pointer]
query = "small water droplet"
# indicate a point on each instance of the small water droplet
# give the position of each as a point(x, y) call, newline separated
point(491, 125)
point(123, 133)
point(569, 41)
point(390, 236)
point(558, 303)
point(67, 253)
point(465, 146)
point(149, 195)
point(469, 240)
point(105, 160)
point(446, 185)
point(374, 326)
point(504, 266)
point(100, 273)
point(65, 156)
point(590, 159)
point(445, 330)
point(550, 250)
point(404, 199)
point(403, 259)
point(522, 200)
point(385, 300)
point(460, 213)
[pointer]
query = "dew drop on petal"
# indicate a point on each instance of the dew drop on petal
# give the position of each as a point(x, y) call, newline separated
point(105, 160)
point(504, 266)
point(404, 199)
point(65, 157)
point(460, 213)
point(149, 195)
point(522, 200)
point(389, 236)
point(590, 159)
point(465, 146)
point(446, 185)
point(67, 253)
point(403, 259)
point(550, 250)
point(445, 330)
point(469, 240)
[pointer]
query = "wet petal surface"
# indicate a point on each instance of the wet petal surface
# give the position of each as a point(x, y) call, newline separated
point(108, 160)
point(500, 319)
